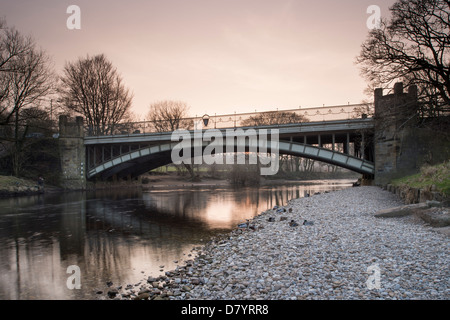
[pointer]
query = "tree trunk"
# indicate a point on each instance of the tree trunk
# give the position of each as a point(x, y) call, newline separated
point(15, 157)
point(190, 169)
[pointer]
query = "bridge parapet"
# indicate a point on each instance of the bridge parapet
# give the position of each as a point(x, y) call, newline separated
point(70, 128)
point(272, 118)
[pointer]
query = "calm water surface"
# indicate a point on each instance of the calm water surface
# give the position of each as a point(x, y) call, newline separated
point(122, 236)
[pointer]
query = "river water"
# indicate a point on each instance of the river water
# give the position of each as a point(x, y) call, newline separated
point(119, 236)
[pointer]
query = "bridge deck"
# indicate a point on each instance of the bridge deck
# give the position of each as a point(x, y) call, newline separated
point(307, 128)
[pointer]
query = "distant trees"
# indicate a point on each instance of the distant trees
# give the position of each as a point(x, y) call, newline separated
point(169, 115)
point(413, 47)
point(287, 162)
point(274, 117)
point(93, 88)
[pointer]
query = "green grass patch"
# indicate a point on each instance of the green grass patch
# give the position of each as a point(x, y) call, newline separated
point(437, 175)
point(10, 181)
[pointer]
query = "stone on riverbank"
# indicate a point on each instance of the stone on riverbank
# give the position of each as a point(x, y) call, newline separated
point(400, 211)
point(432, 212)
point(143, 296)
point(112, 293)
point(436, 217)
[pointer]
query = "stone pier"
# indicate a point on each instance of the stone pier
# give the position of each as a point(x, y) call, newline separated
point(401, 146)
point(72, 153)
point(393, 113)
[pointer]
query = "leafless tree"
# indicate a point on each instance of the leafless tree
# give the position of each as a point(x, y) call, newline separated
point(25, 75)
point(26, 79)
point(413, 47)
point(168, 115)
point(93, 88)
point(274, 117)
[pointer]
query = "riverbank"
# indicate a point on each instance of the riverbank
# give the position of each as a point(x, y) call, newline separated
point(431, 183)
point(11, 187)
point(346, 253)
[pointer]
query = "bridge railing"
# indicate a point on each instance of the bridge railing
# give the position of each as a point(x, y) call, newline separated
point(234, 120)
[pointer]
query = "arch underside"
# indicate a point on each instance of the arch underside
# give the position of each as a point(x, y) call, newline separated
point(141, 161)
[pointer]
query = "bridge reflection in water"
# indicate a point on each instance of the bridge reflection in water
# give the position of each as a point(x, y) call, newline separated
point(115, 235)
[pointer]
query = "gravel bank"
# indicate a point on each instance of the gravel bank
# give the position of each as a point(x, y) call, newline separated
point(345, 254)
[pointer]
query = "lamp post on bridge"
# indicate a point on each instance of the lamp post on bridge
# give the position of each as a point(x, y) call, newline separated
point(205, 119)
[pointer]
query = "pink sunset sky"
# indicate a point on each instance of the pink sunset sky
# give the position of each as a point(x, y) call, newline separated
point(218, 56)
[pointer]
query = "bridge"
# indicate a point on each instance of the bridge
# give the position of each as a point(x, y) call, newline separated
point(337, 135)
point(384, 147)
point(138, 153)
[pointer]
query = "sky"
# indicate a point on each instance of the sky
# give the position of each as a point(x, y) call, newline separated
point(218, 56)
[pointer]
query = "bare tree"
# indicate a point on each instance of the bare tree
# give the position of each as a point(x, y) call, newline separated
point(25, 81)
point(413, 47)
point(25, 76)
point(93, 88)
point(169, 115)
point(27, 90)
point(274, 117)
point(12, 45)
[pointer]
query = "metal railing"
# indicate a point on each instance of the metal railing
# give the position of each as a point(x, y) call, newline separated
point(286, 116)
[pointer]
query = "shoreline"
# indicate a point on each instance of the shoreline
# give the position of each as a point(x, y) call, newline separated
point(25, 187)
point(167, 182)
point(331, 259)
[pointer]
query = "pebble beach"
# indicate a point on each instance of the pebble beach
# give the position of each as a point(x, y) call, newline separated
point(343, 252)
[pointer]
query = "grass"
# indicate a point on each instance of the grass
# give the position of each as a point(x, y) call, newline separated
point(10, 181)
point(437, 175)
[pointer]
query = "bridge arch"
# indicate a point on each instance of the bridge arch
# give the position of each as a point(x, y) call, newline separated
point(143, 160)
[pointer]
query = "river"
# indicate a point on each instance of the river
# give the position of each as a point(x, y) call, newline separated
point(119, 235)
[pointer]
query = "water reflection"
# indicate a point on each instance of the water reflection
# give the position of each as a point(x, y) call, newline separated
point(121, 236)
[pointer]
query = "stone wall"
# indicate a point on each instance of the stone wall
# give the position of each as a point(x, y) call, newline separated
point(72, 153)
point(402, 148)
point(390, 117)
point(411, 195)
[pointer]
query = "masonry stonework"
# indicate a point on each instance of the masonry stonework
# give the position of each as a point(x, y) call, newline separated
point(72, 153)
point(402, 148)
